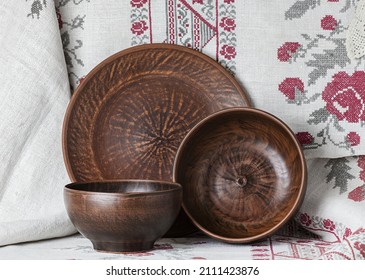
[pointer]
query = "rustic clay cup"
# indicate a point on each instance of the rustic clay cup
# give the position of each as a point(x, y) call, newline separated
point(243, 174)
point(123, 216)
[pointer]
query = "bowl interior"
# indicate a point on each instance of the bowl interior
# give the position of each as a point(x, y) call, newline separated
point(127, 187)
point(243, 174)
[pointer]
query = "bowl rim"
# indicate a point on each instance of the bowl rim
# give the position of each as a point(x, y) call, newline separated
point(302, 188)
point(68, 187)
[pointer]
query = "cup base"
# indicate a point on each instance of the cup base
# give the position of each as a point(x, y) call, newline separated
point(125, 247)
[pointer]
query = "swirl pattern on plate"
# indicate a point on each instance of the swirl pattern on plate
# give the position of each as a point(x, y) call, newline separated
point(128, 117)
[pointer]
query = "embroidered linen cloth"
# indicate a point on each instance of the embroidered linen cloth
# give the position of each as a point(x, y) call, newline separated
point(291, 243)
point(290, 56)
point(34, 93)
point(355, 40)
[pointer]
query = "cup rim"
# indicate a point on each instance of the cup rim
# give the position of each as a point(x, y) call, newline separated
point(69, 187)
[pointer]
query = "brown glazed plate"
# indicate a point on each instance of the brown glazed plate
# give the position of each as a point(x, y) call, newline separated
point(130, 114)
point(243, 174)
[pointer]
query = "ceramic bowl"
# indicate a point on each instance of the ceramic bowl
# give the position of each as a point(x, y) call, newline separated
point(243, 174)
point(123, 216)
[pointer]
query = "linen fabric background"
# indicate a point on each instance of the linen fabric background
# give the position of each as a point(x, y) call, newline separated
point(355, 39)
point(34, 93)
point(290, 56)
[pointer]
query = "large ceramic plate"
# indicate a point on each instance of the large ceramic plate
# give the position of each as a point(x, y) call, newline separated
point(130, 114)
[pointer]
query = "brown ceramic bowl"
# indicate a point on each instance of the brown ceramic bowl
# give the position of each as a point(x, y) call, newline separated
point(123, 216)
point(243, 174)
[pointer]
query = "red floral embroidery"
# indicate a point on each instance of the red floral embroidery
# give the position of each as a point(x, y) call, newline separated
point(362, 175)
point(304, 138)
point(353, 138)
point(347, 233)
point(359, 231)
point(228, 1)
point(139, 27)
point(361, 164)
point(138, 3)
point(328, 23)
point(345, 96)
point(59, 19)
point(328, 224)
point(229, 52)
point(361, 247)
point(286, 51)
point(290, 85)
point(333, 0)
point(357, 194)
point(228, 24)
point(305, 219)
point(198, 1)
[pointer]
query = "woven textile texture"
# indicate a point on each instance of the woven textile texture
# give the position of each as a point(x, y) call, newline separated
point(34, 93)
point(290, 56)
point(291, 243)
point(355, 40)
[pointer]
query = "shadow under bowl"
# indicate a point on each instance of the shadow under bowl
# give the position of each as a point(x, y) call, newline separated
point(123, 215)
point(243, 174)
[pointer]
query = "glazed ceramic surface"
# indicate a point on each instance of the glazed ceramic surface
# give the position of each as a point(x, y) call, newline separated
point(243, 174)
point(130, 114)
point(123, 216)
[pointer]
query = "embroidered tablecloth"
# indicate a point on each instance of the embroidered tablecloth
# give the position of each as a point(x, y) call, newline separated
point(291, 243)
point(290, 56)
